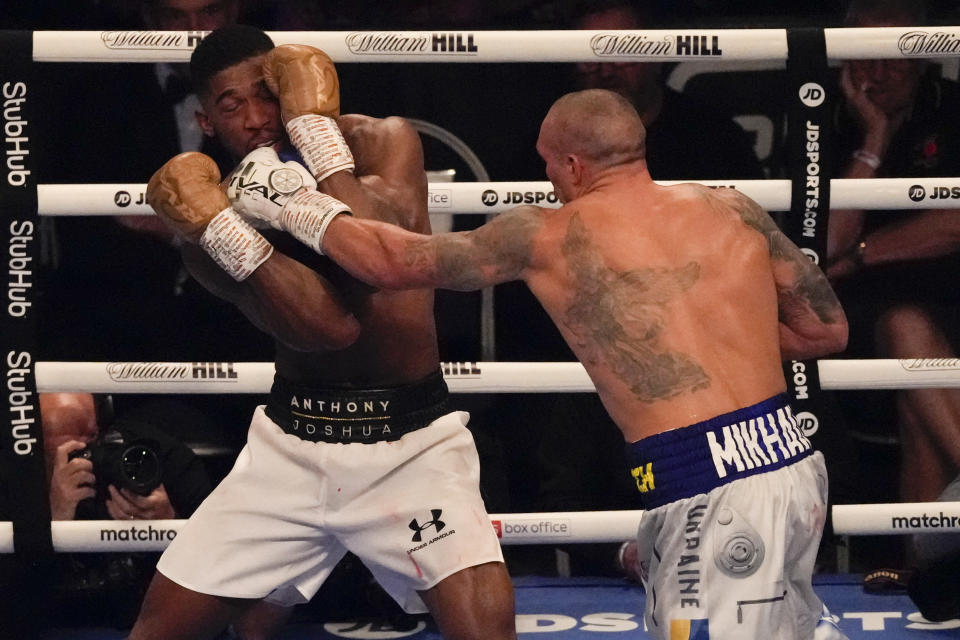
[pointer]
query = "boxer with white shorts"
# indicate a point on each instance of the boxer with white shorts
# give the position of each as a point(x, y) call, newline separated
point(356, 449)
point(386, 474)
point(734, 510)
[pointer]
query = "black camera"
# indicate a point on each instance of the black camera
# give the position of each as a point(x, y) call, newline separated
point(133, 465)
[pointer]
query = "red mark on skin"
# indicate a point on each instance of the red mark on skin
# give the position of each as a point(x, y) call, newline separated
point(415, 566)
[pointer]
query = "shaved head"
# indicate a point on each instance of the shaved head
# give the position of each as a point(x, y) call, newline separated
point(598, 125)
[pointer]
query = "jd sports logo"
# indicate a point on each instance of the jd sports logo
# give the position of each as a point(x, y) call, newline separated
point(435, 522)
point(917, 193)
point(122, 198)
point(490, 197)
point(812, 94)
point(808, 422)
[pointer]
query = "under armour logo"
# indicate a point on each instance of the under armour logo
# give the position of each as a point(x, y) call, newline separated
point(435, 522)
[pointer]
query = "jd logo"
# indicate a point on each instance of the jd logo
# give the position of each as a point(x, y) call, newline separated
point(435, 522)
point(917, 192)
point(489, 197)
point(812, 94)
point(808, 423)
point(122, 198)
point(375, 630)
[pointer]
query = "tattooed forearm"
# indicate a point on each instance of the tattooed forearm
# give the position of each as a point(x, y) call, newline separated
point(496, 252)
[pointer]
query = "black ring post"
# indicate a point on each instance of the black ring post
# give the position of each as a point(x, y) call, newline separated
point(23, 484)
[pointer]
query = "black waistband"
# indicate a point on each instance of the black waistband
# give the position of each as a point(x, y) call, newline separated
point(356, 415)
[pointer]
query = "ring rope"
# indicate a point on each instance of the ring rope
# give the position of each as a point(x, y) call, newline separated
point(468, 46)
point(461, 377)
point(493, 197)
point(575, 527)
point(895, 519)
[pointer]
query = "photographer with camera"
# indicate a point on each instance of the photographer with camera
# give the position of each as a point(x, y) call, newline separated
point(103, 467)
point(120, 470)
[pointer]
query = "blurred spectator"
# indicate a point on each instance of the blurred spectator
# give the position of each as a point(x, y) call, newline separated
point(934, 586)
point(686, 139)
point(895, 271)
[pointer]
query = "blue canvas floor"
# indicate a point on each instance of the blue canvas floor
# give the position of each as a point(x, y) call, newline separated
point(595, 608)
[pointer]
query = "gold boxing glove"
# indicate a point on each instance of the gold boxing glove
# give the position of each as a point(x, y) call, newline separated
point(185, 193)
point(305, 82)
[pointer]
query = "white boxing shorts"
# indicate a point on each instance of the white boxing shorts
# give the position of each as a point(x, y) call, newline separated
point(734, 513)
point(404, 499)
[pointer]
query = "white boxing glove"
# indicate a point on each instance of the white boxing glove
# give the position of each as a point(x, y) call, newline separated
point(261, 185)
point(282, 195)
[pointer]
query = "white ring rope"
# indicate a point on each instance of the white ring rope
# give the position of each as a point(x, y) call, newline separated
point(575, 527)
point(513, 528)
point(896, 519)
point(514, 46)
point(461, 377)
point(493, 197)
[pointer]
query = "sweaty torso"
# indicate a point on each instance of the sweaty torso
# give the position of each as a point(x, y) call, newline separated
point(668, 300)
point(397, 342)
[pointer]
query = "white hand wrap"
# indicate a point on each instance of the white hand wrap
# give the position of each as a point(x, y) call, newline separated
point(234, 245)
point(320, 142)
point(307, 215)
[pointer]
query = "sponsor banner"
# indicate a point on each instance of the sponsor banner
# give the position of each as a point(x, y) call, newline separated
point(461, 369)
point(539, 529)
point(893, 42)
point(809, 161)
point(153, 40)
point(930, 364)
point(493, 197)
point(432, 46)
point(20, 435)
point(896, 518)
point(22, 464)
point(442, 197)
point(171, 371)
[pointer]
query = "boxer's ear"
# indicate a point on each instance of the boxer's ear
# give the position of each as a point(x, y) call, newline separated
point(205, 125)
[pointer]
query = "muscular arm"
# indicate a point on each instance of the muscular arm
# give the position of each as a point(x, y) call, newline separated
point(392, 258)
point(812, 323)
point(284, 298)
point(389, 182)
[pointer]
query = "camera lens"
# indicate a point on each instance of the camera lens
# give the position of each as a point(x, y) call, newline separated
point(140, 467)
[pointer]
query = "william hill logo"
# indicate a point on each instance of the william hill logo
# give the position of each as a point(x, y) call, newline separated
point(169, 40)
point(170, 371)
point(413, 43)
point(625, 44)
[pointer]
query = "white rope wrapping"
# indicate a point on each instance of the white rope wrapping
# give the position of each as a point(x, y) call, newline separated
point(896, 519)
point(493, 197)
point(461, 377)
point(434, 46)
point(83, 536)
point(514, 46)
point(574, 527)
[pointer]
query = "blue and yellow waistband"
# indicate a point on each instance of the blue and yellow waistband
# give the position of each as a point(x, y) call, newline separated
point(685, 462)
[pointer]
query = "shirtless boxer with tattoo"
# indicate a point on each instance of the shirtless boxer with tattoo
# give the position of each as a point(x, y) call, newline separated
point(680, 302)
point(356, 449)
